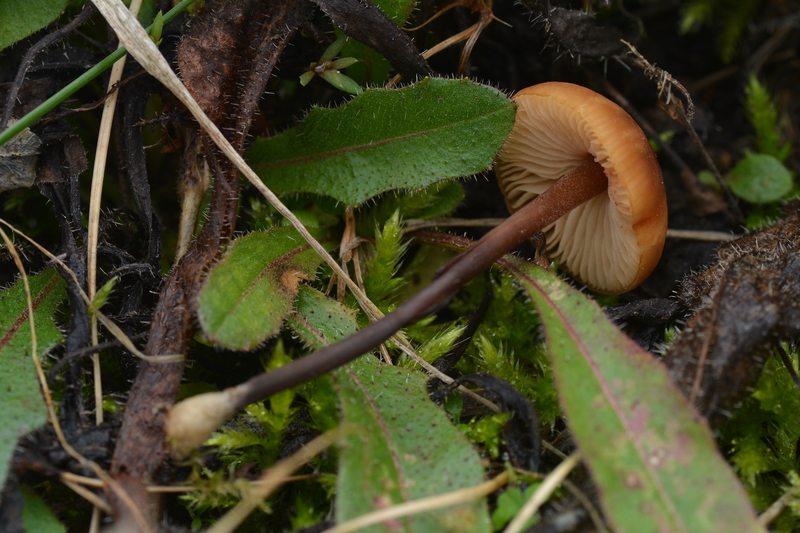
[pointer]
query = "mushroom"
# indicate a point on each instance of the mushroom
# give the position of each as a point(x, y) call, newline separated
point(613, 241)
point(575, 163)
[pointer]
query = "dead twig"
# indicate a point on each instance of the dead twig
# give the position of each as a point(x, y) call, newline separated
point(684, 115)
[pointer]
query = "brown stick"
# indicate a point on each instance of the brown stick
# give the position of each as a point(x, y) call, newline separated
point(248, 37)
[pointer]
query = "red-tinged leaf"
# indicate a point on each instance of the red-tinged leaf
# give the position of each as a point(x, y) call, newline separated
point(407, 449)
point(23, 405)
point(652, 457)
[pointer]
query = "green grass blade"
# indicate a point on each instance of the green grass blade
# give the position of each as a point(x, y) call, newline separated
point(50, 104)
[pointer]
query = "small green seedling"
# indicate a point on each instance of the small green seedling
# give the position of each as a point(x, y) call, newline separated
point(762, 177)
point(328, 69)
point(157, 28)
point(102, 295)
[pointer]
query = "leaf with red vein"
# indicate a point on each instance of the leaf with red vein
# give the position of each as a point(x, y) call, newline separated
point(23, 405)
point(407, 448)
point(652, 457)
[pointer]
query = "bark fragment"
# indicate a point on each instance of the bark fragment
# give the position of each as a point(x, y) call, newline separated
point(745, 304)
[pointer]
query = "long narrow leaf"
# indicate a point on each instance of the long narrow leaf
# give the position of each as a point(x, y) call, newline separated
point(651, 455)
point(388, 139)
point(407, 448)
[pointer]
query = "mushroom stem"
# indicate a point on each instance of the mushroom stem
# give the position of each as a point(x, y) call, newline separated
point(192, 421)
point(576, 187)
point(579, 185)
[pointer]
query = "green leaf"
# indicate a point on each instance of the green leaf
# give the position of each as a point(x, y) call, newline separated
point(332, 50)
point(306, 77)
point(341, 81)
point(653, 459)
point(381, 283)
point(320, 321)
point(36, 516)
point(386, 139)
point(158, 27)
point(509, 504)
point(23, 406)
point(249, 293)
point(344, 62)
point(406, 449)
point(760, 179)
point(20, 18)
point(440, 343)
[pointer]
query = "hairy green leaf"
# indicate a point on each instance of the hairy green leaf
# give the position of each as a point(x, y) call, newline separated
point(20, 18)
point(385, 139)
point(249, 293)
point(407, 448)
point(320, 321)
point(23, 406)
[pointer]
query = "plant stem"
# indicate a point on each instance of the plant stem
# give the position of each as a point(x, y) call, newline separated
point(82, 80)
point(87, 11)
point(573, 189)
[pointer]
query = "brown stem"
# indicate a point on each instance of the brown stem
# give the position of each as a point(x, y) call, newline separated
point(574, 188)
point(247, 37)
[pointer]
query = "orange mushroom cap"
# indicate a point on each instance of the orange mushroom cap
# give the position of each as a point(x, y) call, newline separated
point(612, 242)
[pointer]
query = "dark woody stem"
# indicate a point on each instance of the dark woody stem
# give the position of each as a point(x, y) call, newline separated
point(574, 188)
